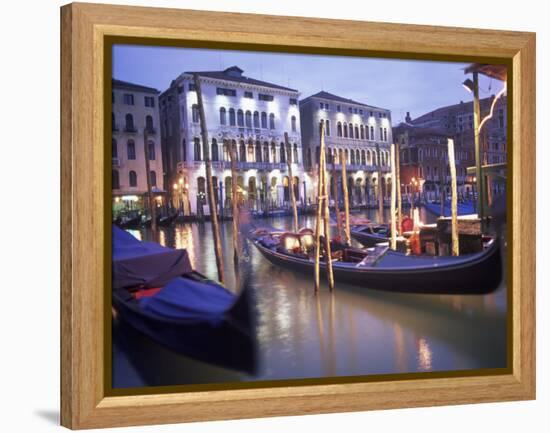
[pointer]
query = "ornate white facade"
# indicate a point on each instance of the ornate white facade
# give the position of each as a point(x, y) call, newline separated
point(361, 132)
point(250, 114)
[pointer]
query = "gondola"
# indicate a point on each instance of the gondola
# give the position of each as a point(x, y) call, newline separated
point(384, 269)
point(167, 219)
point(128, 221)
point(370, 234)
point(157, 292)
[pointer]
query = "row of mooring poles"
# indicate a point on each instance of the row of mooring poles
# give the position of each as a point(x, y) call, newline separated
point(322, 219)
point(209, 184)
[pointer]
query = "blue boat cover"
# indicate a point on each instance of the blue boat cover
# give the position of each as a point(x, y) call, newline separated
point(145, 264)
point(186, 299)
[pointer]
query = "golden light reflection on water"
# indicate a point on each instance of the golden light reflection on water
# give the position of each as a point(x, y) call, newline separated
point(353, 331)
point(424, 355)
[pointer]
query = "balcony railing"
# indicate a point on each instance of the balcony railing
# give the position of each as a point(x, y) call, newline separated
point(114, 127)
point(151, 130)
point(129, 128)
point(356, 167)
point(241, 165)
point(116, 162)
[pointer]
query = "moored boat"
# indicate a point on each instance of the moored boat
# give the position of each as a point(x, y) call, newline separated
point(156, 290)
point(384, 269)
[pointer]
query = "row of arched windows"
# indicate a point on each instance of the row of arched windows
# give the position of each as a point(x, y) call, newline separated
point(247, 152)
point(248, 119)
point(356, 156)
point(132, 178)
point(358, 132)
point(131, 149)
point(129, 125)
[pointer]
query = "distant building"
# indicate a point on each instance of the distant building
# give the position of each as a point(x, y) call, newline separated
point(251, 115)
point(359, 131)
point(134, 113)
point(423, 144)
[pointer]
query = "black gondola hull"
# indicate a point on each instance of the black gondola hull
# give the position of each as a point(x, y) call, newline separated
point(477, 276)
point(228, 344)
point(368, 239)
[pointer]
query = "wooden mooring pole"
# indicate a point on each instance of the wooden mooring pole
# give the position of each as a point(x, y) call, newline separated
point(209, 184)
point(322, 220)
point(291, 182)
point(150, 198)
point(347, 235)
point(393, 228)
point(335, 197)
point(234, 201)
point(398, 185)
point(454, 200)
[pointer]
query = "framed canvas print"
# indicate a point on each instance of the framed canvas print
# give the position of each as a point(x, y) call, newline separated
point(266, 215)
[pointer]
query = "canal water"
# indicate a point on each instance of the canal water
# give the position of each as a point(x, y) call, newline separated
point(350, 332)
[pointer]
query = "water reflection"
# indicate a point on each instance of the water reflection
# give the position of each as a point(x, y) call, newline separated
point(352, 331)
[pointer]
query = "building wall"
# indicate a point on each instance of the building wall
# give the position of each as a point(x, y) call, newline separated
point(363, 172)
point(123, 136)
point(190, 167)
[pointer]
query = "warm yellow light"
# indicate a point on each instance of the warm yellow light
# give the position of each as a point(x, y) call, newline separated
point(186, 186)
point(117, 199)
point(175, 186)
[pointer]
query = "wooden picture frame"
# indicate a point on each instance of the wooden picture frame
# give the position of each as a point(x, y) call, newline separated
point(84, 226)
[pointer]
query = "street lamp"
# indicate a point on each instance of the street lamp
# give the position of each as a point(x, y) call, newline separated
point(468, 84)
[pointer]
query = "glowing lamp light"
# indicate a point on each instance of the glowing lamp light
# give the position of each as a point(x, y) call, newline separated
point(175, 186)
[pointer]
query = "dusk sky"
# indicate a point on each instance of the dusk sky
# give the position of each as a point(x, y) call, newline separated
point(399, 85)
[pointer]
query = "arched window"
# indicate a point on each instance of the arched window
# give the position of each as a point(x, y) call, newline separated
point(149, 124)
point(115, 181)
point(114, 149)
point(153, 177)
point(183, 150)
point(362, 132)
point(223, 118)
point(273, 153)
point(256, 119)
point(356, 131)
point(272, 121)
point(327, 127)
point(295, 154)
point(266, 152)
point(129, 123)
point(339, 129)
point(113, 123)
point(363, 158)
point(282, 152)
point(240, 118)
point(214, 152)
point(345, 130)
point(352, 157)
point(197, 148)
point(317, 154)
point(293, 123)
point(250, 152)
point(372, 132)
point(350, 130)
point(242, 152)
point(195, 113)
point(264, 120)
point(231, 117)
point(258, 151)
point(131, 149)
point(248, 119)
point(151, 150)
point(132, 178)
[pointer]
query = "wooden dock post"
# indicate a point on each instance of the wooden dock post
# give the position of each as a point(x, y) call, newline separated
point(291, 182)
point(379, 182)
point(454, 193)
point(347, 235)
point(209, 185)
point(398, 185)
point(393, 228)
point(150, 198)
point(234, 201)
